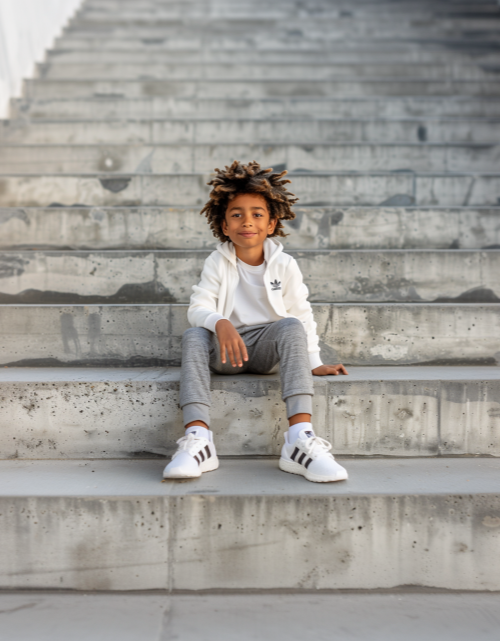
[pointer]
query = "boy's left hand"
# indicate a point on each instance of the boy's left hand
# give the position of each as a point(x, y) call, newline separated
point(328, 370)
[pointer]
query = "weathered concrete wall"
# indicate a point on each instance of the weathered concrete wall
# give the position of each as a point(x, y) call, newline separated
point(313, 228)
point(167, 107)
point(336, 53)
point(114, 526)
point(310, 157)
point(332, 554)
point(87, 544)
point(374, 140)
point(134, 70)
point(168, 276)
point(314, 188)
point(312, 31)
point(134, 413)
point(36, 89)
point(139, 335)
point(242, 130)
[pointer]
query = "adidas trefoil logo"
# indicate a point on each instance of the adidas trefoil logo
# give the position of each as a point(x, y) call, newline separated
point(275, 285)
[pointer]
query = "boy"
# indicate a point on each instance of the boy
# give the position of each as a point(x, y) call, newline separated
point(249, 313)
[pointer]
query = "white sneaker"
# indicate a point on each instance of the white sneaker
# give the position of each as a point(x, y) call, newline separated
point(195, 455)
point(310, 456)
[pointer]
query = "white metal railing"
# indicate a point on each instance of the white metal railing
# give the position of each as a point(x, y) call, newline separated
point(27, 29)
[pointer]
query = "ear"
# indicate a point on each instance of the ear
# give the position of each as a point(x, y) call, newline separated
point(272, 226)
point(224, 225)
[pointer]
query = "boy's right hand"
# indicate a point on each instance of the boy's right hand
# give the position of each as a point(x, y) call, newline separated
point(230, 340)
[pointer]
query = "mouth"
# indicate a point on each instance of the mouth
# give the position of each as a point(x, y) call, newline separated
point(248, 234)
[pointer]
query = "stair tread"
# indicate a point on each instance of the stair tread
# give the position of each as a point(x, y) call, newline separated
point(249, 477)
point(169, 374)
point(456, 616)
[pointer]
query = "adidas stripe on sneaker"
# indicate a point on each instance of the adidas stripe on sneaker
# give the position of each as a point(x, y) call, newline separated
point(310, 457)
point(195, 454)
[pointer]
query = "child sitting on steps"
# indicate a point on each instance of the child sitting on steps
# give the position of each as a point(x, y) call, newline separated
point(248, 313)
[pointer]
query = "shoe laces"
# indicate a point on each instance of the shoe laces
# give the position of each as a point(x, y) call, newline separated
point(315, 446)
point(191, 444)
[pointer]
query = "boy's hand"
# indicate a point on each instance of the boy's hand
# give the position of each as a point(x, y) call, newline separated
point(230, 340)
point(327, 370)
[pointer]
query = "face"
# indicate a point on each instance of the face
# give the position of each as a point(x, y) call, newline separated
point(248, 222)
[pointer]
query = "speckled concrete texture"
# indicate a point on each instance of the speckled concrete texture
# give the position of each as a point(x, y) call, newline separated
point(93, 228)
point(112, 525)
point(385, 114)
point(150, 335)
point(113, 413)
point(167, 276)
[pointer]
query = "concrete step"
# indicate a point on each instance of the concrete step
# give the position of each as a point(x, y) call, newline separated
point(292, 39)
point(300, 29)
point(222, 18)
point(359, 10)
point(271, 70)
point(118, 277)
point(200, 157)
point(430, 523)
point(216, 131)
point(465, 47)
point(306, 108)
point(88, 413)
point(51, 616)
point(150, 335)
point(314, 227)
point(398, 188)
point(397, 52)
point(314, 7)
point(199, 88)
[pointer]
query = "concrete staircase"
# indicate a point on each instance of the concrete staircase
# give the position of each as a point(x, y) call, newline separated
point(387, 116)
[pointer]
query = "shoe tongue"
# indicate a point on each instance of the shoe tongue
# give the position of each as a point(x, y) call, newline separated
point(201, 434)
point(304, 434)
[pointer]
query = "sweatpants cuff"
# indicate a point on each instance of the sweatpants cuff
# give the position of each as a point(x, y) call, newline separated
point(298, 404)
point(196, 412)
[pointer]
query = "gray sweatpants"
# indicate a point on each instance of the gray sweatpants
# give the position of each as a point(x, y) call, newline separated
point(282, 342)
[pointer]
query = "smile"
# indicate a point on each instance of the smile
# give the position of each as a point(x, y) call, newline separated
point(248, 234)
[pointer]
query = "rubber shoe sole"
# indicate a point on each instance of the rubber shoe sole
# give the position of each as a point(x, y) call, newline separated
point(207, 466)
point(295, 468)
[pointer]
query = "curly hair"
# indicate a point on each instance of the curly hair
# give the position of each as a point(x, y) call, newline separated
point(248, 179)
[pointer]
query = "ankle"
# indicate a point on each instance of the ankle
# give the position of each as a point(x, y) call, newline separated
point(199, 423)
point(295, 429)
point(299, 418)
point(199, 430)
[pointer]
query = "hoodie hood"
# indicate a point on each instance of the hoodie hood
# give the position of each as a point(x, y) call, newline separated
point(272, 248)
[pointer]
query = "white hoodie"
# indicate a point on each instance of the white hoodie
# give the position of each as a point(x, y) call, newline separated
point(285, 289)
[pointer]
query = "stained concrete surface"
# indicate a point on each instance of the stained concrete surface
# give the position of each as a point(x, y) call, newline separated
point(313, 228)
point(398, 616)
point(315, 107)
point(36, 89)
point(167, 276)
point(27, 159)
point(112, 525)
point(395, 188)
point(162, 130)
point(247, 477)
point(150, 335)
point(318, 71)
point(87, 413)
